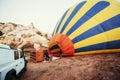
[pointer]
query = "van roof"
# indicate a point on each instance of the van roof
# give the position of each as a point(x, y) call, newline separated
point(6, 46)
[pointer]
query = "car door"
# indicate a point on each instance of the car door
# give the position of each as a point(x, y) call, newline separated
point(19, 62)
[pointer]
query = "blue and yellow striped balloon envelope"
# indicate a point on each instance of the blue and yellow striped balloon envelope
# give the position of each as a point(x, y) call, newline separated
point(89, 27)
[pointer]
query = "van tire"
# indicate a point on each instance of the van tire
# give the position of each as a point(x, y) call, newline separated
point(11, 75)
point(25, 67)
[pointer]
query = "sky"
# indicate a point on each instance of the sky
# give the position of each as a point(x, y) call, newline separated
point(44, 14)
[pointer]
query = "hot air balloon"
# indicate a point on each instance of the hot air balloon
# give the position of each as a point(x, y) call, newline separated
point(89, 27)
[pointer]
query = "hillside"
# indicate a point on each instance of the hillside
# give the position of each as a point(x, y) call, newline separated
point(20, 36)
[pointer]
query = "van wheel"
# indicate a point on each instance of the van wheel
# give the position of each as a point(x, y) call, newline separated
point(25, 67)
point(11, 75)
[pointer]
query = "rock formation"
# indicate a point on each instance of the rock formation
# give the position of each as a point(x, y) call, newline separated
point(20, 36)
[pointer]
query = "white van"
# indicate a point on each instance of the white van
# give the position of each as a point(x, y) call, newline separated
point(12, 62)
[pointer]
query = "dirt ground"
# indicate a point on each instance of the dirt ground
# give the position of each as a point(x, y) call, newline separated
point(87, 67)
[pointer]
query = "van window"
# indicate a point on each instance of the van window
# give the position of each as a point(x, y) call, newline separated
point(21, 54)
point(16, 55)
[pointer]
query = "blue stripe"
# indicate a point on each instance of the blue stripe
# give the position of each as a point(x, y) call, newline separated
point(101, 46)
point(55, 28)
point(78, 7)
point(112, 23)
point(61, 20)
point(53, 31)
point(93, 11)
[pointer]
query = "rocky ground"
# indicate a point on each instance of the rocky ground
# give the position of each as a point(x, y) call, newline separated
point(87, 67)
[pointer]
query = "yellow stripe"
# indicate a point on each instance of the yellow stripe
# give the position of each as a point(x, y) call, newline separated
point(57, 25)
point(110, 35)
point(115, 2)
point(55, 50)
point(66, 17)
point(98, 52)
point(102, 16)
point(80, 13)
